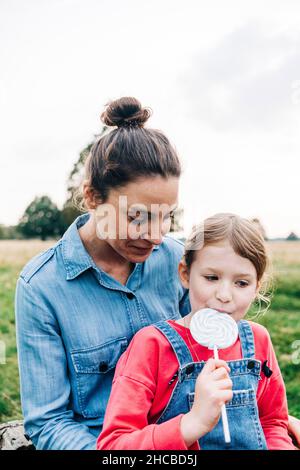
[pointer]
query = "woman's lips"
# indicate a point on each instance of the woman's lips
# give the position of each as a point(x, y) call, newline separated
point(143, 248)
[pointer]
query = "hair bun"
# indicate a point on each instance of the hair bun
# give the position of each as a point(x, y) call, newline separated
point(125, 112)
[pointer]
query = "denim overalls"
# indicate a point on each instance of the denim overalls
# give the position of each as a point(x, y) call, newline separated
point(245, 428)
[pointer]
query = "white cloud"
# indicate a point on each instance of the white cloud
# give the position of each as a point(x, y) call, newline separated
point(245, 81)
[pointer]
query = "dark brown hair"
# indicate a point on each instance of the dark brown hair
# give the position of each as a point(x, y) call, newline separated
point(130, 151)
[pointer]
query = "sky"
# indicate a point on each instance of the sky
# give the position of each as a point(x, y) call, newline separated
point(222, 79)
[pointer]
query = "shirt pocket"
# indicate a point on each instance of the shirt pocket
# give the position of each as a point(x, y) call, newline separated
point(94, 370)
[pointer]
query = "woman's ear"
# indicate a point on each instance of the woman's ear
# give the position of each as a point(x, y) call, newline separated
point(184, 273)
point(90, 196)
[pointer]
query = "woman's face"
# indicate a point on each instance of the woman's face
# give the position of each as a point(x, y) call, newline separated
point(135, 217)
point(220, 279)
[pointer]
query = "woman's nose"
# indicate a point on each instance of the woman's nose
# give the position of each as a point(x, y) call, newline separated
point(224, 293)
point(155, 233)
point(155, 239)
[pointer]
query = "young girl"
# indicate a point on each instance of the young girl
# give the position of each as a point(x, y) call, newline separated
point(168, 390)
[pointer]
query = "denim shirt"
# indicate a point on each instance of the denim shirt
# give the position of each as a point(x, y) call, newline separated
point(73, 323)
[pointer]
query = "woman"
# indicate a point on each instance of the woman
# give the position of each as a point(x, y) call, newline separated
point(79, 303)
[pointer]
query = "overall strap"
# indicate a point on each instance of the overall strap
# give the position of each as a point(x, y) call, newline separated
point(246, 338)
point(179, 346)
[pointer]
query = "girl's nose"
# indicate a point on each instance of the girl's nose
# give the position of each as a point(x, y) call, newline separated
point(224, 293)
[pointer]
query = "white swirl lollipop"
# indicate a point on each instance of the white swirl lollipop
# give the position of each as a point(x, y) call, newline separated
point(211, 328)
point(215, 330)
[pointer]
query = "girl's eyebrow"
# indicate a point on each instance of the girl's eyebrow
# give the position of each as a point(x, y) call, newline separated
point(207, 268)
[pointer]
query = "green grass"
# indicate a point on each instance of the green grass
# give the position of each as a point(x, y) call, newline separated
point(284, 328)
point(282, 320)
point(10, 406)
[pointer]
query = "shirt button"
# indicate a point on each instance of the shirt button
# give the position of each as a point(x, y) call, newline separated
point(251, 365)
point(103, 367)
point(130, 295)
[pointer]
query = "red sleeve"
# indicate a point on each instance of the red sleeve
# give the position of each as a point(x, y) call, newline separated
point(126, 425)
point(272, 402)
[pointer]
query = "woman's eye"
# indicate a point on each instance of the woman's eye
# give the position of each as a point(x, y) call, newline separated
point(169, 216)
point(243, 283)
point(211, 278)
point(136, 220)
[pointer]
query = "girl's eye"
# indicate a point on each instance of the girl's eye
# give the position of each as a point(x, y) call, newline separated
point(243, 283)
point(211, 278)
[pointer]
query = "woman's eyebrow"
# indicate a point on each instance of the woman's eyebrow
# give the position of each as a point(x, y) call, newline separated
point(142, 210)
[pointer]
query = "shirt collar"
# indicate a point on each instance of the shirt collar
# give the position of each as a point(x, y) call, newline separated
point(75, 256)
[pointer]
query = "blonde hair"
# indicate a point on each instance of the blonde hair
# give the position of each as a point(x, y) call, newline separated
point(247, 241)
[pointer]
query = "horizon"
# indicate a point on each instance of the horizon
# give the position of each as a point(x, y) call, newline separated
point(225, 89)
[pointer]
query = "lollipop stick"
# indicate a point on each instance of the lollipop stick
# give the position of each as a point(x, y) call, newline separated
point(223, 410)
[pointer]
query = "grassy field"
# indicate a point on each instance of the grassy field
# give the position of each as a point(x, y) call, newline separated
point(282, 319)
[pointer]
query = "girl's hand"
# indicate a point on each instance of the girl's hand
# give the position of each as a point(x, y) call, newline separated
point(213, 389)
point(294, 430)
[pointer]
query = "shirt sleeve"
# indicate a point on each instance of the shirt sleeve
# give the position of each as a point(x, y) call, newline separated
point(45, 386)
point(272, 404)
point(126, 425)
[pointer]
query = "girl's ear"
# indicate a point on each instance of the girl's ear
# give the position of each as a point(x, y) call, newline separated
point(184, 273)
point(258, 288)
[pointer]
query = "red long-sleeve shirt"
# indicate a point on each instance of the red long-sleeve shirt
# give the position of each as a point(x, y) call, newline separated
point(141, 391)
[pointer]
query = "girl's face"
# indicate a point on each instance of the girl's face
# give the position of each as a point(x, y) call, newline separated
point(220, 279)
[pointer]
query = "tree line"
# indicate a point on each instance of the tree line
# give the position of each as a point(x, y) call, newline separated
point(43, 219)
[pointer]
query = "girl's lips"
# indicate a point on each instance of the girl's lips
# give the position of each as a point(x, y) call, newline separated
point(222, 311)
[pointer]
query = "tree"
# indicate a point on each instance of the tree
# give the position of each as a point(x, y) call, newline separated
point(176, 221)
point(70, 211)
point(9, 232)
point(292, 236)
point(41, 219)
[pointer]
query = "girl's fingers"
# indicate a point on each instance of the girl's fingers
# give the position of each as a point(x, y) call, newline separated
point(225, 395)
point(220, 373)
point(225, 384)
point(213, 364)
